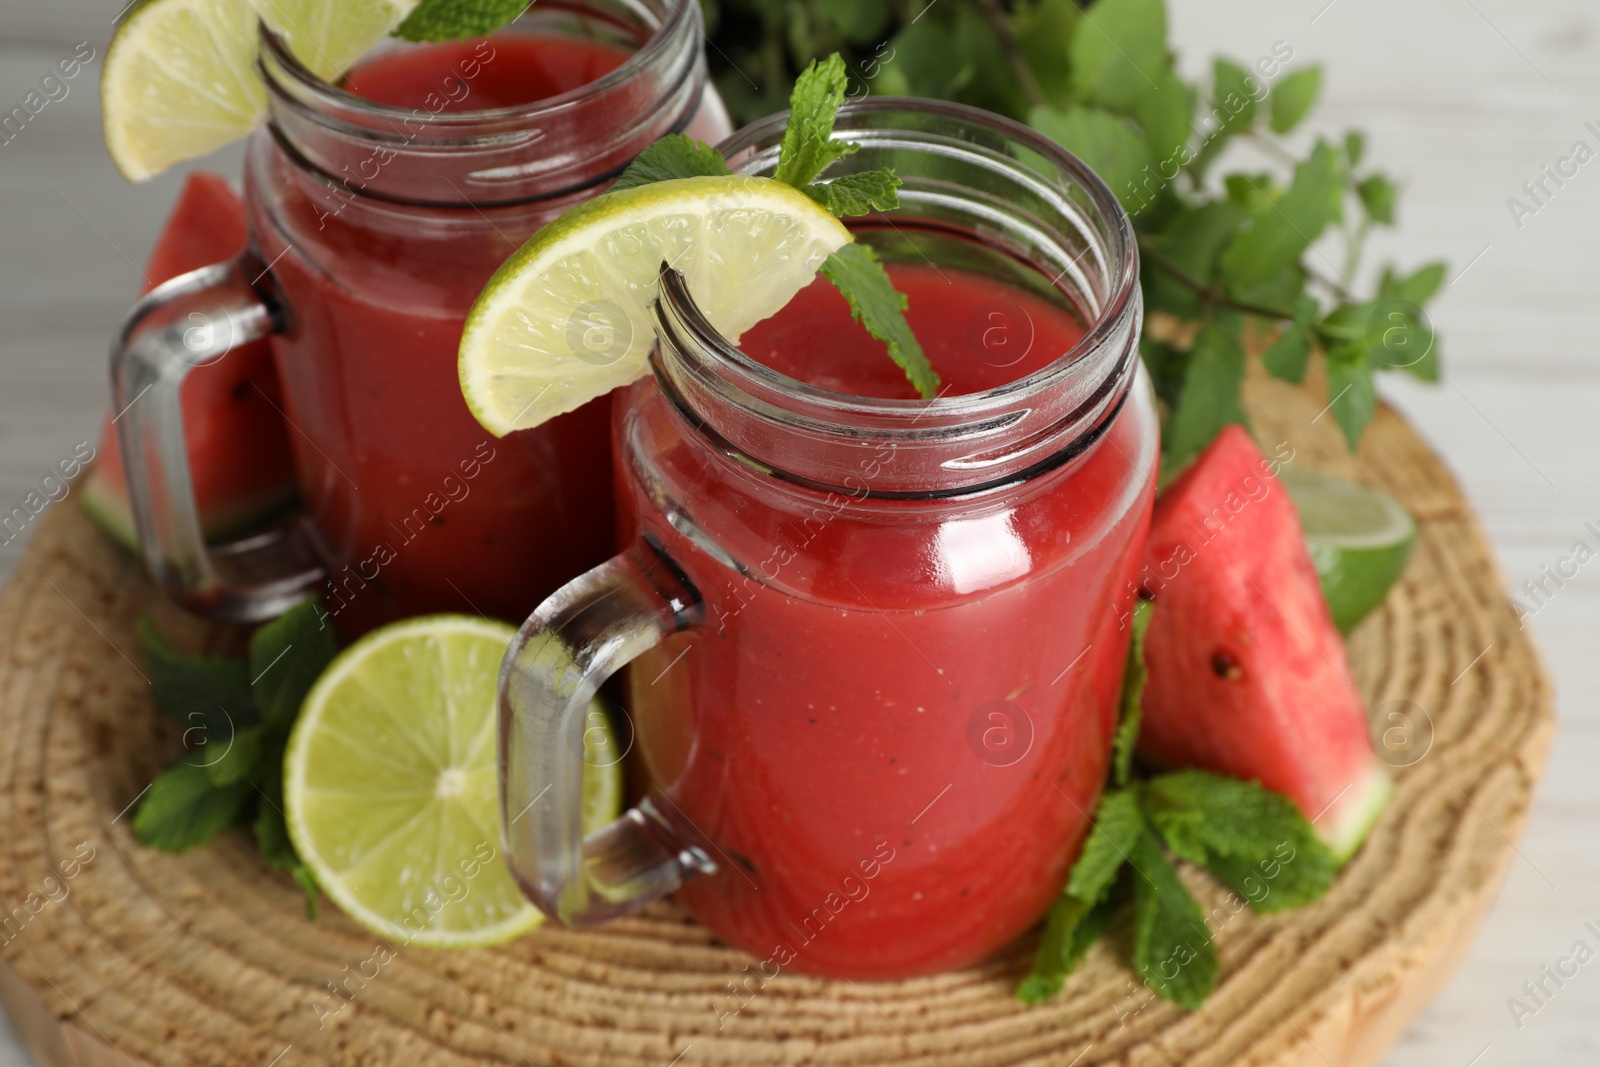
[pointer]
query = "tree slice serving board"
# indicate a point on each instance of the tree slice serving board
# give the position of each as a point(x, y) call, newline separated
point(114, 954)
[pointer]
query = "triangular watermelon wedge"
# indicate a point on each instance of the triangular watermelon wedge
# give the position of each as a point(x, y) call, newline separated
point(1247, 672)
point(239, 453)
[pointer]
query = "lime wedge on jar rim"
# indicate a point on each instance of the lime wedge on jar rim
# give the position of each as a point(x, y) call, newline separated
point(1359, 538)
point(566, 318)
point(390, 789)
point(180, 79)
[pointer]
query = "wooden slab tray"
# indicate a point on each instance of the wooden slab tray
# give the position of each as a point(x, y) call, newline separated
point(144, 958)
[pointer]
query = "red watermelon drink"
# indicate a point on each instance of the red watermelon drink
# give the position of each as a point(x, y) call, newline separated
point(894, 742)
point(881, 713)
point(378, 209)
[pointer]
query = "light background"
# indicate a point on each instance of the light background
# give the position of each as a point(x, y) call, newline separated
point(1463, 100)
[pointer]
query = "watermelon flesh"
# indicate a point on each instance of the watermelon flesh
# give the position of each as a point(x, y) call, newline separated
point(238, 445)
point(1247, 672)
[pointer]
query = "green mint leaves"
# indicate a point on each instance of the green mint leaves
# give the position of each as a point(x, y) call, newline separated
point(807, 150)
point(1267, 256)
point(1253, 840)
point(451, 20)
point(855, 271)
point(673, 156)
point(808, 146)
point(861, 193)
point(235, 716)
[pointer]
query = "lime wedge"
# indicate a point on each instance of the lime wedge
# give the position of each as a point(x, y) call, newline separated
point(1359, 538)
point(390, 789)
point(566, 318)
point(180, 79)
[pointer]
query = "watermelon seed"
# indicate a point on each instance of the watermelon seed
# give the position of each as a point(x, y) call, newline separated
point(1225, 666)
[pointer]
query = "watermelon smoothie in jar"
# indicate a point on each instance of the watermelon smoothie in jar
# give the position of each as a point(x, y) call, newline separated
point(378, 209)
point(876, 640)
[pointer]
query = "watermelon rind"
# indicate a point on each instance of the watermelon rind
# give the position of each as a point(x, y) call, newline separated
point(1346, 825)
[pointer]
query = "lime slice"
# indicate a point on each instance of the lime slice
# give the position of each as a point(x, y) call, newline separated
point(1360, 540)
point(390, 789)
point(566, 318)
point(328, 36)
point(180, 79)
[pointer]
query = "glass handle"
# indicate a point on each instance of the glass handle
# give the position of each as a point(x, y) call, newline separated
point(188, 322)
point(587, 631)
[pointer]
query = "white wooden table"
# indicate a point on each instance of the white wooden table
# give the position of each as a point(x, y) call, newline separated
point(1464, 101)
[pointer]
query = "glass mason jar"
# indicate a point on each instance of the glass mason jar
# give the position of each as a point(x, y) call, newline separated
point(373, 228)
point(876, 645)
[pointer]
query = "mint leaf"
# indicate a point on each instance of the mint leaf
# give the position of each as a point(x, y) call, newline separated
point(272, 836)
point(1278, 237)
point(1109, 144)
point(1286, 357)
point(1231, 97)
point(1293, 98)
point(1050, 967)
point(1232, 110)
point(1255, 840)
point(1210, 397)
point(183, 809)
point(673, 156)
point(287, 655)
point(1119, 52)
point(1117, 826)
point(1355, 147)
point(924, 59)
point(861, 22)
point(808, 146)
point(1070, 931)
point(1044, 32)
point(994, 83)
point(857, 194)
point(874, 302)
point(451, 20)
point(1166, 364)
point(233, 760)
point(208, 698)
point(1131, 714)
point(1257, 193)
point(1087, 903)
point(1378, 195)
point(1352, 391)
point(1172, 947)
point(1418, 287)
point(1167, 115)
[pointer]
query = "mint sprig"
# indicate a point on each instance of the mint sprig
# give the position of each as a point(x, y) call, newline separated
point(808, 149)
point(236, 716)
point(1255, 841)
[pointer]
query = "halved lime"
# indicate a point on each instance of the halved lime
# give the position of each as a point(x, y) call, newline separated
point(180, 79)
point(565, 319)
point(390, 791)
point(1359, 538)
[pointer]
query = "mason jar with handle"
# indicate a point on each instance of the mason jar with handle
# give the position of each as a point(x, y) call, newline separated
point(378, 210)
point(874, 644)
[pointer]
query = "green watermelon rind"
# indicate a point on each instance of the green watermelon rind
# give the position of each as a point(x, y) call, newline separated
point(1357, 812)
point(108, 509)
point(106, 503)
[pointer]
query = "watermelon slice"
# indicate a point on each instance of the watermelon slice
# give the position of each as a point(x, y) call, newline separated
point(1247, 672)
point(238, 445)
